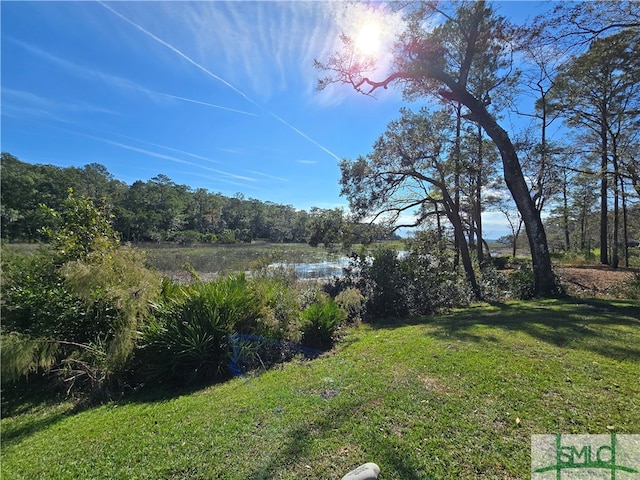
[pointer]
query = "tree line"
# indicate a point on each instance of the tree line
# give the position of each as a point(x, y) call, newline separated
point(578, 67)
point(159, 210)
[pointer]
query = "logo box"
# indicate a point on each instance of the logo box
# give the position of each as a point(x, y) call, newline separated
point(585, 457)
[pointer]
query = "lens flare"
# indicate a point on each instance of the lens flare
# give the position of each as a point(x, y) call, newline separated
point(368, 39)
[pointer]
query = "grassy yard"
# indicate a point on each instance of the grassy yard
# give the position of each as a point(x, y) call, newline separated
point(451, 396)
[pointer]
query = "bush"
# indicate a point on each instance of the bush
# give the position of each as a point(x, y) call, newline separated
point(320, 320)
point(494, 284)
point(389, 277)
point(435, 285)
point(75, 309)
point(422, 282)
point(352, 302)
point(36, 301)
point(500, 263)
point(187, 237)
point(521, 283)
point(631, 287)
point(120, 288)
point(21, 355)
point(188, 342)
point(279, 308)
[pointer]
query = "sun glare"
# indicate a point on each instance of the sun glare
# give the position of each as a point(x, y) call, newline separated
point(368, 39)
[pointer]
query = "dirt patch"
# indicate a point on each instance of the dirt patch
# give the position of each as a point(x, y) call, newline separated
point(593, 280)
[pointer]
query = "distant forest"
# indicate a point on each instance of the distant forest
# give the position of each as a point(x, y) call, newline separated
point(159, 210)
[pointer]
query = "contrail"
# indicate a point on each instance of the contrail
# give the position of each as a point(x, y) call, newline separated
point(174, 159)
point(172, 149)
point(112, 80)
point(216, 77)
point(162, 155)
point(207, 104)
point(175, 50)
point(268, 176)
point(304, 135)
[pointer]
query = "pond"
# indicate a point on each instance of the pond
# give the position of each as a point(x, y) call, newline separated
point(316, 270)
point(211, 260)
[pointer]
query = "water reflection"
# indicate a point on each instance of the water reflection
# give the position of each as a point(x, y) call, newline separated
point(316, 270)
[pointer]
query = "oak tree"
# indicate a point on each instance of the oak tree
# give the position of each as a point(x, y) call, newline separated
point(424, 67)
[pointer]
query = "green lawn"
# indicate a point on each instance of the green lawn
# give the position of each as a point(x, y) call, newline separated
point(452, 396)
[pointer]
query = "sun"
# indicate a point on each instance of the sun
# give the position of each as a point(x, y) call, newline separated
point(369, 39)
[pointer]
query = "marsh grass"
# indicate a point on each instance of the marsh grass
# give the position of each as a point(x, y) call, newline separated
point(453, 396)
point(232, 258)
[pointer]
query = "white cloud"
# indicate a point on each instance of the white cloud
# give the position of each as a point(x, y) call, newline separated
point(116, 81)
point(19, 103)
point(266, 175)
point(269, 47)
point(494, 225)
point(234, 86)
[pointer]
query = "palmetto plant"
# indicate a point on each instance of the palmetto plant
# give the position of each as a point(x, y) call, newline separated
point(320, 321)
point(188, 341)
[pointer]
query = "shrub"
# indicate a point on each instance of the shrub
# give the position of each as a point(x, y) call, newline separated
point(120, 285)
point(631, 287)
point(521, 283)
point(423, 281)
point(187, 237)
point(320, 322)
point(435, 284)
point(226, 236)
point(81, 227)
point(21, 355)
point(500, 263)
point(494, 284)
point(390, 279)
point(188, 342)
point(36, 302)
point(352, 302)
point(279, 308)
point(80, 302)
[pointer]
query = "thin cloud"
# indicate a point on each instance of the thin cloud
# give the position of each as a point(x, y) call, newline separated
point(307, 162)
point(218, 179)
point(167, 157)
point(305, 136)
point(172, 149)
point(23, 102)
point(268, 176)
point(213, 105)
point(115, 80)
point(178, 52)
point(215, 77)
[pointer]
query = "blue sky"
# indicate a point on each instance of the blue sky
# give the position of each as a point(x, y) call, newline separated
point(218, 95)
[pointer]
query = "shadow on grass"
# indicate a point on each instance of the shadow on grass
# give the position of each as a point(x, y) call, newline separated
point(600, 326)
point(29, 399)
point(301, 442)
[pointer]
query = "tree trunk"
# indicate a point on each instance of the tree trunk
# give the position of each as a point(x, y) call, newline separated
point(456, 174)
point(544, 279)
point(565, 214)
point(583, 226)
point(478, 199)
point(625, 225)
point(604, 187)
point(615, 257)
point(458, 232)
